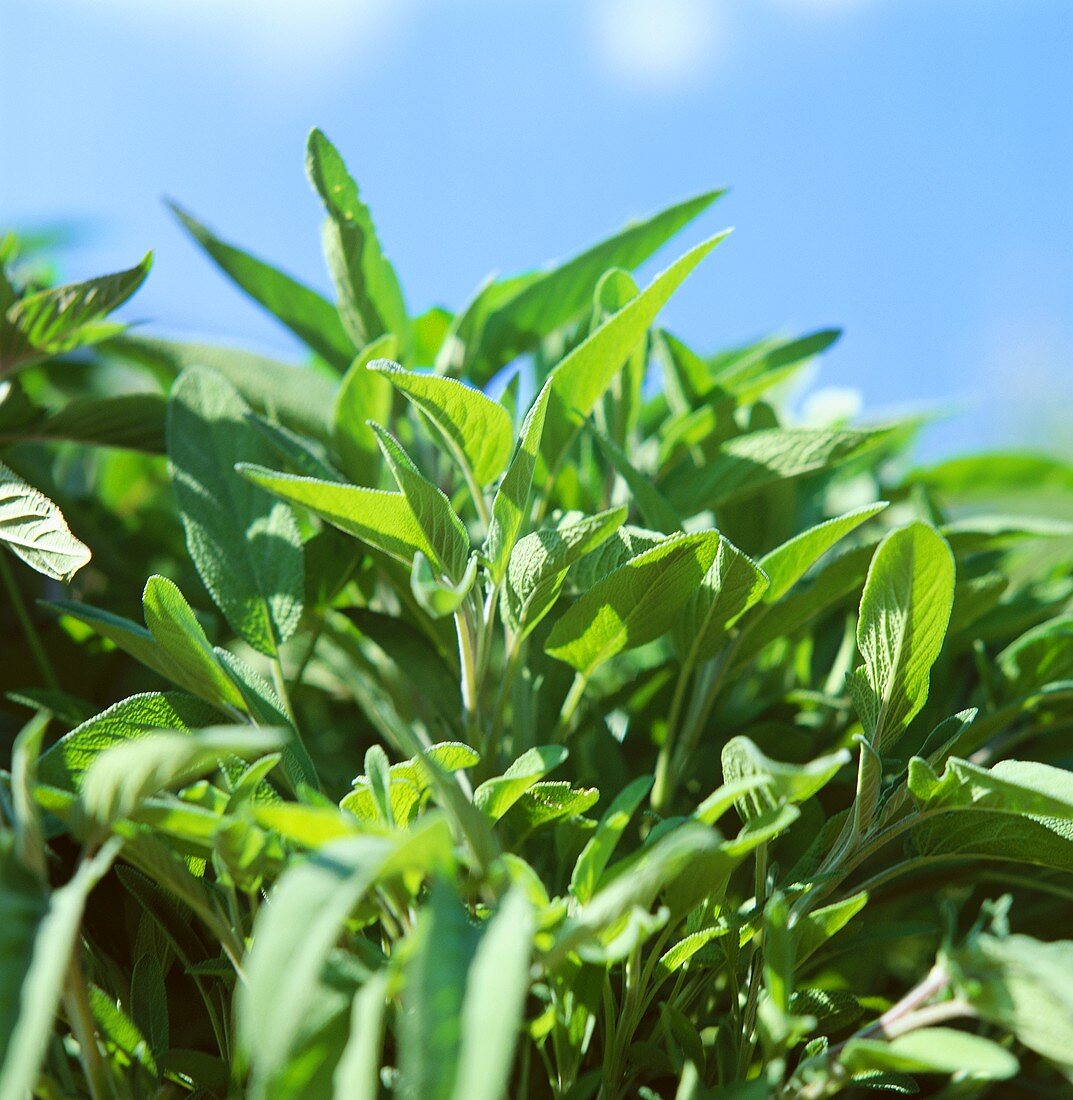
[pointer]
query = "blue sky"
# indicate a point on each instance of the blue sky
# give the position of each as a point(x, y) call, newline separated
point(903, 168)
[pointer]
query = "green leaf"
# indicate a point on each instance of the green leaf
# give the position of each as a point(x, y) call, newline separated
point(131, 637)
point(121, 777)
point(61, 318)
point(601, 845)
point(131, 420)
point(539, 564)
point(183, 647)
point(814, 929)
point(492, 1011)
point(65, 762)
point(522, 311)
point(245, 545)
point(438, 597)
point(357, 1076)
point(149, 1003)
point(635, 604)
point(1023, 986)
point(381, 519)
point(650, 501)
point(370, 297)
point(495, 796)
point(904, 613)
point(363, 395)
point(732, 584)
point(547, 802)
point(38, 937)
point(295, 934)
point(1039, 656)
point(637, 884)
point(430, 1025)
point(33, 529)
point(476, 429)
point(580, 380)
point(748, 463)
point(299, 397)
point(788, 563)
point(784, 783)
point(445, 533)
point(1011, 786)
point(510, 506)
point(932, 1050)
point(312, 318)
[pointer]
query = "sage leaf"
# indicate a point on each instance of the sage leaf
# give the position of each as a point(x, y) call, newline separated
point(904, 613)
point(245, 545)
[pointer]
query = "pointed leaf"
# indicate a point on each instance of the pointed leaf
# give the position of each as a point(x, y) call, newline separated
point(788, 563)
point(370, 297)
point(312, 318)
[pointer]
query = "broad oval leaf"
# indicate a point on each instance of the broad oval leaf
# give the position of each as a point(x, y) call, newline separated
point(245, 545)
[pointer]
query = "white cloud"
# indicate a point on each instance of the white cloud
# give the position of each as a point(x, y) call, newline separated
point(656, 45)
point(278, 39)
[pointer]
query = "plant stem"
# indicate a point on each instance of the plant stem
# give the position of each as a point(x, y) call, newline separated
point(280, 682)
point(33, 639)
point(662, 788)
point(467, 660)
point(570, 705)
point(80, 1017)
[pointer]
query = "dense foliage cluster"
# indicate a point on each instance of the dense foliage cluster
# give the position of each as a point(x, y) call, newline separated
point(520, 703)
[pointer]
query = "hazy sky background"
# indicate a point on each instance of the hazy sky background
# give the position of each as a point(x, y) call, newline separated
point(902, 168)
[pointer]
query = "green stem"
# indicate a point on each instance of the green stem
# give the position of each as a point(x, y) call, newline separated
point(499, 710)
point(33, 639)
point(280, 682)
point(307, 656)
point(83, 1025)
point(467, 660)
point(570, 705)
point(662, 787)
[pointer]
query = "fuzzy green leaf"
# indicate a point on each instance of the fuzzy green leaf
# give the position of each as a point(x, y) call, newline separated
point(370, 297)
point(635, 604)
point(510, 506)
point(476, 429)
point(312, 318)
point(61, 318)
point(783, 783)
point(517, 313)
point(539, 564)
point(732, 584)
point(65, 762)
point(184, 649)
point(788, 563)
point(905, 609)
point(932, 1050)
point(381, 519)
point(245, 545)
point(445, 533)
